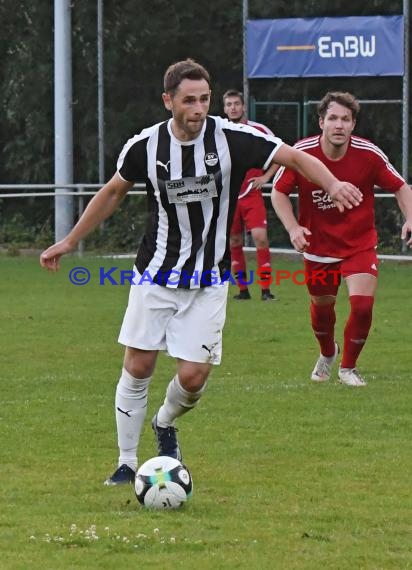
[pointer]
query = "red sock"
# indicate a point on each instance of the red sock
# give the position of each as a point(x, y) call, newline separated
point(356, 329)
point(263, 263)
point(239, 266)
point(323, 320)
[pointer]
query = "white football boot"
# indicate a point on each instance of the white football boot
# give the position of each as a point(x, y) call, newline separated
point(323, 367)
point(351, 377)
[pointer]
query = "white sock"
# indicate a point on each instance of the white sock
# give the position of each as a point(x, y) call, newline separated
point(178, 401)
point(131, 408)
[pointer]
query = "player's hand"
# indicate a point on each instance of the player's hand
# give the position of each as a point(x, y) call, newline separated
point(407, 228)
point(345, 195)
point(298, 238)
point(257, 181)
point(50, 258)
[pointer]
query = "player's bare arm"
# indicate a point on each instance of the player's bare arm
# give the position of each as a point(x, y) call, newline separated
point(404, 198)
point(343, 194)
point(297, 233)
point(102, 205)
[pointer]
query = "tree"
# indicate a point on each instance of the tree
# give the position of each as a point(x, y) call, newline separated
point(140, 40)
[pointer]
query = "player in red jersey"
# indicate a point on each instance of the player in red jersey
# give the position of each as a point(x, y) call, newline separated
point(340, 244)
point(250, 212)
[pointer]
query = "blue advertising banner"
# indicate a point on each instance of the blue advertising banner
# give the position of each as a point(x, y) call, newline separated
point(322, 47)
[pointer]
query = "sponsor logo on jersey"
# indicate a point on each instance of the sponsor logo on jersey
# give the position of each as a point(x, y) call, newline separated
point(322, 200)
point(191, 189)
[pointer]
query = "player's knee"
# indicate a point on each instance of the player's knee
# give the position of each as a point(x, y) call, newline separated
point(260, 238)
point(193, 375)
point(236, 240)
point(323, 300)
point(261, 243)
point(139, 363)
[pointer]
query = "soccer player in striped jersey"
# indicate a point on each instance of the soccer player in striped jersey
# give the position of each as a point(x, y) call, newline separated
point(250, 213)
point(339, 244)
point(193, 165)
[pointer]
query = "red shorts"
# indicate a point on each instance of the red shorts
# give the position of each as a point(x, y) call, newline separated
point(250, 213)
point(325, 278)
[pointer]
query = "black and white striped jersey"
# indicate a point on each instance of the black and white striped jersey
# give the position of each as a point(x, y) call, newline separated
point(192, 189)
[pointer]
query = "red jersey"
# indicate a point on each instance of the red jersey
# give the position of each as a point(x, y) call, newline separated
point(253, 172)
point(335, 234)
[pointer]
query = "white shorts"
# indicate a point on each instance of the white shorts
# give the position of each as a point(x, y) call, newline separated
point(187, 323)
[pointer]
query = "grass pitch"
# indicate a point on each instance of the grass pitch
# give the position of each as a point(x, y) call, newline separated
point(287, 474)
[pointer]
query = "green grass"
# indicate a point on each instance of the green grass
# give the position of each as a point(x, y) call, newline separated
point(288, 475)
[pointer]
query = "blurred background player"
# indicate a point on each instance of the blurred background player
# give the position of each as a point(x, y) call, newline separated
point(250, 213)
point(341, 244)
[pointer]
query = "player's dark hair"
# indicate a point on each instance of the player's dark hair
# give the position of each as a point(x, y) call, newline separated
point(233, 93)
point(343, 98)
point(187, 69)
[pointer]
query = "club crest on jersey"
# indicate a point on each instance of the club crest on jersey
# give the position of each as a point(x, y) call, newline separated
point(211, 158)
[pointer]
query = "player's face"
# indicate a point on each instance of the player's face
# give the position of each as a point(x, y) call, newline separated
point(337, 125)
point(189, 107)
point(234, 109)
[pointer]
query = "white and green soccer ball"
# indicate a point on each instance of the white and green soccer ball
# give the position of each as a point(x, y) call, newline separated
point(163, 482)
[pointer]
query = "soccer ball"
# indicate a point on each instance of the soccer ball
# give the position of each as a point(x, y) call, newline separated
point(163, 483)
